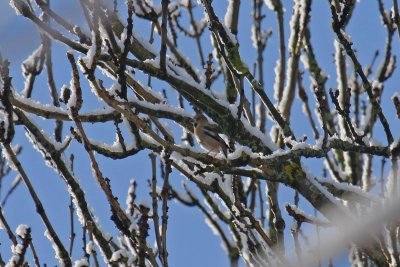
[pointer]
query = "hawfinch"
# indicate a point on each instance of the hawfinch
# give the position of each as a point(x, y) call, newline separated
point(208, 137)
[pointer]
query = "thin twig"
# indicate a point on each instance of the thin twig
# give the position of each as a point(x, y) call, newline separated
point(163, 49)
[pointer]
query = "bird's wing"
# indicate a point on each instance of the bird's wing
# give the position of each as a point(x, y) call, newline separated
point(209, 131)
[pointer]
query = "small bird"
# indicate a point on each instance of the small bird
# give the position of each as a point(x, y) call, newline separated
point(208, 137)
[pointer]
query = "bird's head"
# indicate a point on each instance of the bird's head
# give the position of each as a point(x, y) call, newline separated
point(199, 118)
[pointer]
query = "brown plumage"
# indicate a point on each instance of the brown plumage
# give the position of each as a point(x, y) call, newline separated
point(208, 137)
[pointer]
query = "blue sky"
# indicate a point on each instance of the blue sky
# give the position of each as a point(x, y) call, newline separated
point(189, 239)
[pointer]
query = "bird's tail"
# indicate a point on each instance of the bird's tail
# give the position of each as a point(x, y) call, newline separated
point(227, 147)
